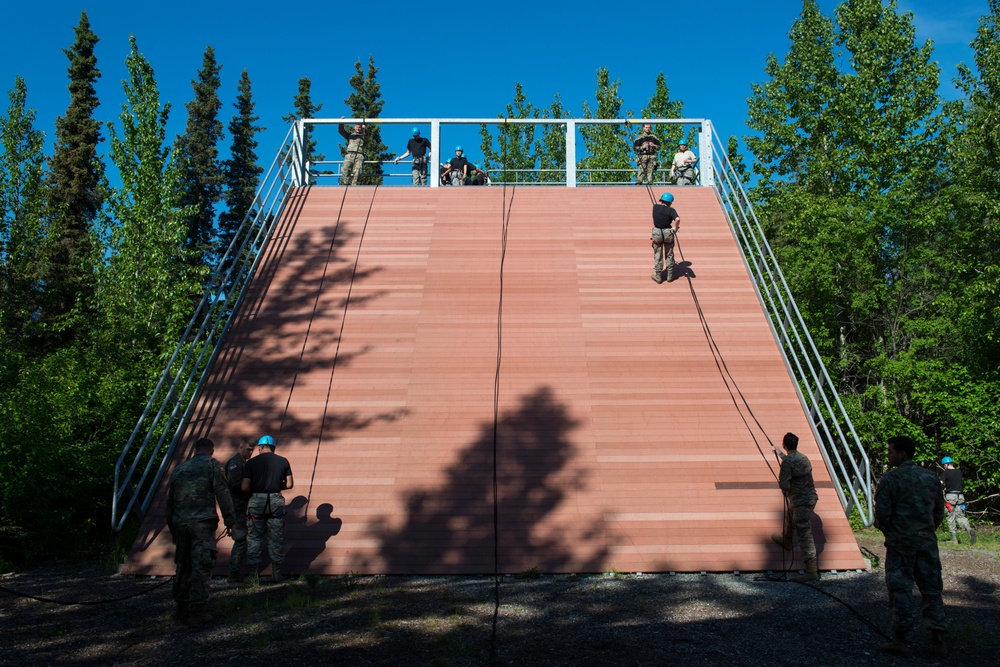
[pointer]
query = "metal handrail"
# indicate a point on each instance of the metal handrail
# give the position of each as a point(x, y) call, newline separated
point(141, 465)
point(842, 451)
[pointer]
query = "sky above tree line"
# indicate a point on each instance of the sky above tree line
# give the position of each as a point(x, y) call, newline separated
point(451, 63)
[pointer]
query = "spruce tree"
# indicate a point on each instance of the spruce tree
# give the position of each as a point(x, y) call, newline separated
point(304, 108)
point(75, 195)
point(365, 102)
point(241, 171)
point(197, 153)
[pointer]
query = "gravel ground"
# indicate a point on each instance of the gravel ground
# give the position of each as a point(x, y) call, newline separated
point(650, 619)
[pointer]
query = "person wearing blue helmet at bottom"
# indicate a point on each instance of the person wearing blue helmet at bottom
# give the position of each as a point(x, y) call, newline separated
point(954, 501)
point(264, 478)
point(419, 148)
point(666, 222)
point(458, 167)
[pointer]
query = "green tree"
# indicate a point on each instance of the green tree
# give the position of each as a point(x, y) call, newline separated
point(661, 106)
point(197, 153)
point(148, 282)
point(22, 165)
point(608, 152)
point(515, 160)
point(75, 195)
point(304, 108)
point(552, 149)
point(365, 102)
point(241, 172)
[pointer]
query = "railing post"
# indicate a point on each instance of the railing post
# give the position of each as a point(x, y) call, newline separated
point(435, 172)
point(571, 153)
point(705, 150)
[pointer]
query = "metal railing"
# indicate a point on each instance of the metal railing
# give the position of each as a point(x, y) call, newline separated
point(143, 459)
point(842, 451)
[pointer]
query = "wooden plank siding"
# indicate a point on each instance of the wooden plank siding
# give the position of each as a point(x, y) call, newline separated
point(398, 341)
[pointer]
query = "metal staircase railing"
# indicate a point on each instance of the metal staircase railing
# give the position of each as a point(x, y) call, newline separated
point(143, 460)
point(842, 451)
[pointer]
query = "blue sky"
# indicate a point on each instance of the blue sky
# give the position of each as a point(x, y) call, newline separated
point(711, 54)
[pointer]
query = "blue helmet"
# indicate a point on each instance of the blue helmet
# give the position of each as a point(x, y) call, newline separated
point(667, 197)
point(683, 142)
point(946, 460)
point(458, 148)
point(266, 441)
point(416, 132)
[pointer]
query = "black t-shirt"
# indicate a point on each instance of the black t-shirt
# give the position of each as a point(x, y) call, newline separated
point(266, 472)
point(458, 163)
point(418, 146)
point(952, 478)
point(664, 216)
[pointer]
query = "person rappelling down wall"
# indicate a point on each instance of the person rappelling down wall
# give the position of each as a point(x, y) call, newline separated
point(796, 482)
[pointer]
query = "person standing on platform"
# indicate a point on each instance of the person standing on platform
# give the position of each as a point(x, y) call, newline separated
point(419, 148)
point(682, 168)
point(796, 482)
point(264, 478)
point(954, 501)
point(192, 492)
point(646, 146)
point(234, 480)
point(666, 222)
point(354, 157)
point(908, 509)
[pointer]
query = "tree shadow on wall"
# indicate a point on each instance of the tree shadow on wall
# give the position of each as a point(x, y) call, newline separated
point(450, 529)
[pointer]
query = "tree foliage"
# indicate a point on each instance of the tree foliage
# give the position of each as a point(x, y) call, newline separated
point(365, 101)
point(197, 156)
point(241, 172)
point(609, 151)
point(305, 108)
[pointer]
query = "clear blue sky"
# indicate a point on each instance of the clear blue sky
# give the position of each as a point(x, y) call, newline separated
point(710, 53)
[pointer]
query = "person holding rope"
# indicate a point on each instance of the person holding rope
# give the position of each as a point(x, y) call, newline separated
point(666, 222)
point(419, 148)
point(646, 147)
point(192, 492)
point(796, 481)
point(264, 478)
point(354, 156)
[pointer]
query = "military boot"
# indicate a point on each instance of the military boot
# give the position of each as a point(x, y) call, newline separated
point(898, 646)
point(276, 575)
point(938, 648)
point(657, 278)
point(811, 573)
point(783, 542)
point(182, 613)
point(235, 577)
point(670, 275)
point(972, 535)
point(199, 616)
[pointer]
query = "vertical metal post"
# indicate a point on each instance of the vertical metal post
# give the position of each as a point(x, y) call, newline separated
point(435, 173)
point(571, 153)
point(705, 150)
point(298, 161)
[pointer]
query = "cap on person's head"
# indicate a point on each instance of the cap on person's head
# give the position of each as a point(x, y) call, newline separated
point(416, 132)
point(667, 197)
point(265, 441)
point(946, 460)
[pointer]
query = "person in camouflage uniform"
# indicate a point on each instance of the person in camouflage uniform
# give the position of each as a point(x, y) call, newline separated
point(954, 501)
point(354, 157)
point(796, 481)
point(646, 148)
point(909, 507)
point(234, 479)
point(194, 488)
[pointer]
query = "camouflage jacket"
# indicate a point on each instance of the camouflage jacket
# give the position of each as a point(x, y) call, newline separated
point(194, 487)
point(908, 507)
point(796, 479)
point(234, 478)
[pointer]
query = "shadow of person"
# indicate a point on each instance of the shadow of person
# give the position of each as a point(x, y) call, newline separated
point(311, 538)
point(816, 522)
point(683, 270)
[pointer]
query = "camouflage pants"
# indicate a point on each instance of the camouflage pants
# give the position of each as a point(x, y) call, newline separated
point(194, 558)
point(351, 171)
point(457, 178)
point(645, 169)
point(903, 568)
point(419, 172)
point(265, 516)
point(798, 518)
point(663, 247)
point(956, 515)
point(239, 553)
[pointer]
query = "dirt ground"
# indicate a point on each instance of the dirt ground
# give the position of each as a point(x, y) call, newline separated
point(649, 619)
